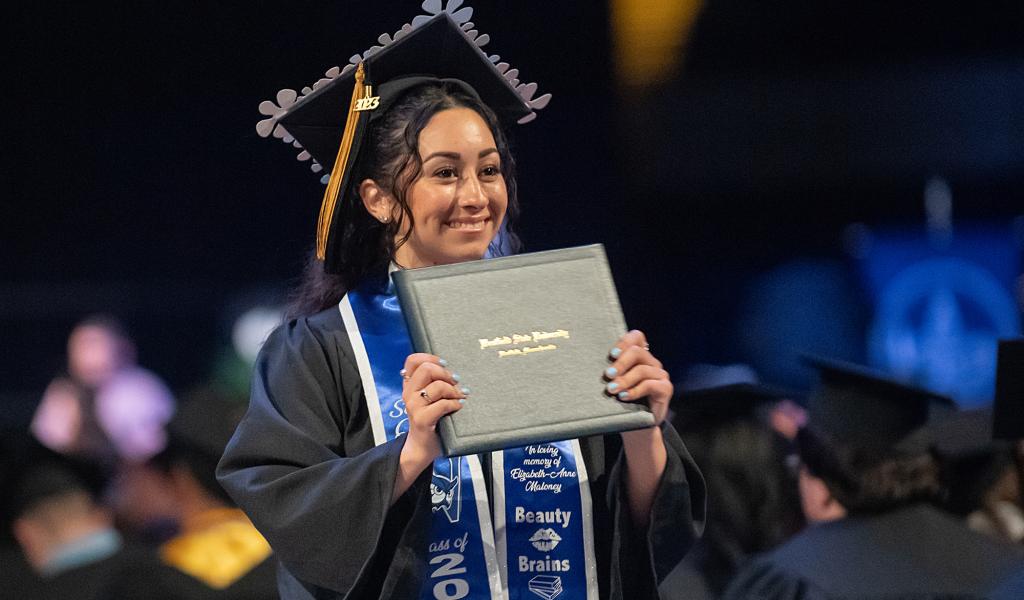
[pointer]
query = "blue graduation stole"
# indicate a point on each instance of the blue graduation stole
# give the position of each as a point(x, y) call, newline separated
point(540, 544)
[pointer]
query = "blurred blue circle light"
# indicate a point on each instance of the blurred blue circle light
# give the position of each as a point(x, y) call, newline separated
point(937, 323)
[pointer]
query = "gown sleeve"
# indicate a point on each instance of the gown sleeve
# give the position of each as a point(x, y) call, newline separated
point(302, 463)
point(642, 559)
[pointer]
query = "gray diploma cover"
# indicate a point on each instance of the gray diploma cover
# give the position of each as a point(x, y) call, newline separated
point(530, 336)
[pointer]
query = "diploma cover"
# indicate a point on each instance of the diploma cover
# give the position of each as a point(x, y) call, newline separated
point(530, 336)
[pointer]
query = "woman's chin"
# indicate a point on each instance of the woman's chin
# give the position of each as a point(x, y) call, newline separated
point(454, 251)
point(467, 249)
point(463, 256)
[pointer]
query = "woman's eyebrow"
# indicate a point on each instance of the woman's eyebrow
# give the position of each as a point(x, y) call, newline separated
point(451, 155)
point(457, 156)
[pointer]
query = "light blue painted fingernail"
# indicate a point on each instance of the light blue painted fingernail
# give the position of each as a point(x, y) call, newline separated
point(611, 371)
point(456, 377)
point(616, 351)
point(462, 400)
point(464, 390)
point(442, 362)
point(623, 395)
point(612, 387)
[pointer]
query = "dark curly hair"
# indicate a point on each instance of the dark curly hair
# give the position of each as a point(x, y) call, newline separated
point(393, 161)
point(869, 480)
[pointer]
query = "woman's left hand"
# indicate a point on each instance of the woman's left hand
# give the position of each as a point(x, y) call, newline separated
point(635, 374)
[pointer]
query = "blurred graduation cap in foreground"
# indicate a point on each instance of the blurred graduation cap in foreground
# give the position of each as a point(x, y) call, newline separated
point(972, 463)
point(708, 407)
point(1008, 408)
point(959, 435)
point(31, 474)
point(858, 406)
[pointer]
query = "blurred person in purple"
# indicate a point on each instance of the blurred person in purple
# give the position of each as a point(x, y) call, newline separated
point(105, 408)
point(108, 410)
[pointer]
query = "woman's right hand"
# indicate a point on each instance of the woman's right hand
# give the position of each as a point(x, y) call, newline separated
point(429, 391)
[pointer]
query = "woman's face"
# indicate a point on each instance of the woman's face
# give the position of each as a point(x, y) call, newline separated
point(459, 200)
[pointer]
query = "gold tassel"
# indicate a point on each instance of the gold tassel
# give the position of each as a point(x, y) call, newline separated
point(338, 172)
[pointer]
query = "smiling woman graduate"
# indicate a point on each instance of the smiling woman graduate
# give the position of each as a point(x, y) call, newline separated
point(421, 175)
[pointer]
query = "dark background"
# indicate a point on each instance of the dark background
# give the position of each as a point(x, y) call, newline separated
point(133, 181)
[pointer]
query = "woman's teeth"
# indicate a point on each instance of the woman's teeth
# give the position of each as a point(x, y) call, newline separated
point(467, 226)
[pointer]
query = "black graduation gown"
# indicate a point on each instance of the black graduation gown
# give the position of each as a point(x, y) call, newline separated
point(1010, 588)
point(915, 552)
point(303, 466)
point(685, 582)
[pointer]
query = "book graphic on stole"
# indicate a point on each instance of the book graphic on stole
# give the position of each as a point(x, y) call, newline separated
point(530, 336)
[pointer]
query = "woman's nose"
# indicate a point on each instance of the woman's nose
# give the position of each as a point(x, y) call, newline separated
point(471, 193)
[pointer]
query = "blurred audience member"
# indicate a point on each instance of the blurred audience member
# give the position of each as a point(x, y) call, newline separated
point(218, 553)
point(143, 507)
point(106, 407)
point(66, 537)
point(752, 495)
point(108, 410)
point(995, 500)
point(868, 487)
point(980, 480)
point(1008, 426)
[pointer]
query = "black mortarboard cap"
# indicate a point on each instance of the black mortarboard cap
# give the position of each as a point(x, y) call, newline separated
point(707, 407)
point(958, 435)
point(972, 463)
point(858, 406)
point(1008, 407)
point(331, 119)
point(31, 473)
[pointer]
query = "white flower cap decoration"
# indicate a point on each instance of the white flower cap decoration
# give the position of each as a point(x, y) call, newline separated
point(287, 99)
